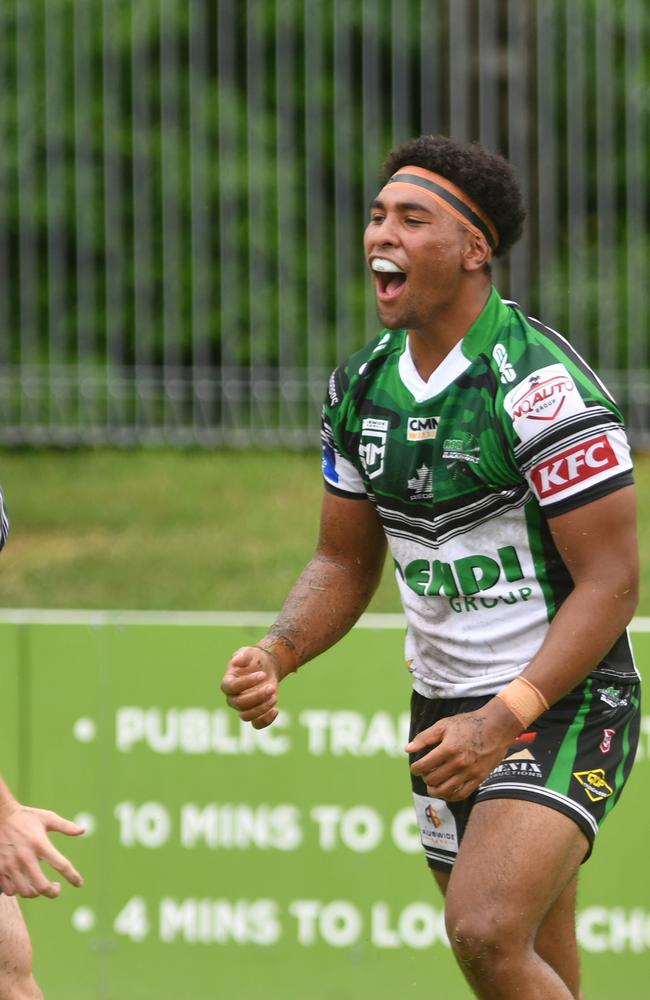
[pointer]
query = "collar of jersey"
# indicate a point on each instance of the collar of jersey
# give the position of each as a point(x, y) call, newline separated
point(480, 336)
point(476, 340)
point(447, 372)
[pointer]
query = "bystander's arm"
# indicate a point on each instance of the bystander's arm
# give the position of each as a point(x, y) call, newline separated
point(24, 843)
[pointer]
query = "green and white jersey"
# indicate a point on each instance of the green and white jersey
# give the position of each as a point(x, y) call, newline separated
point(513, 428)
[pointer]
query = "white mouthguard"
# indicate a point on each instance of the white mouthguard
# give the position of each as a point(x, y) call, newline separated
point(380, 264)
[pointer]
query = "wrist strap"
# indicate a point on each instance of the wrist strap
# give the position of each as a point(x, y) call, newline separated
point(525, 701)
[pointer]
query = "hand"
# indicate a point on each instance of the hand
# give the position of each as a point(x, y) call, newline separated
point(250, 684)
point(24, 843)
point(467, 748)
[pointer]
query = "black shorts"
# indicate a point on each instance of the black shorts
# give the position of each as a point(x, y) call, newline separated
point(575, 758)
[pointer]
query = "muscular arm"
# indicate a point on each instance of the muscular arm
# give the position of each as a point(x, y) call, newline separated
point(598, 545)
point(327, 599)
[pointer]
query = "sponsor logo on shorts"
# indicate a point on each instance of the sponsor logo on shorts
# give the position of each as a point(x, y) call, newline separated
point(436, 821)
point(515, 754)
point(372, 446)
point(547, 394)
point(515, 765)
point(421, 428)
point(606, 742)
point(519, 747)
point(594, 784)
point(612, 697)
point(525, 738)
point(433, 816)
point(573, 466)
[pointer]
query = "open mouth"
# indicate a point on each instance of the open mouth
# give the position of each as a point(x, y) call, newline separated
point(389, 278)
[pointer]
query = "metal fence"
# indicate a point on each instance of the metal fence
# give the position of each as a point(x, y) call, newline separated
point(184, 186)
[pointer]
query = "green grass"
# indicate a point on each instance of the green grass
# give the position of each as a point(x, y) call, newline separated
point(172, 530)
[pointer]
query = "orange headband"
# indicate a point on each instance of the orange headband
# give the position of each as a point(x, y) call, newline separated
point(451, 198)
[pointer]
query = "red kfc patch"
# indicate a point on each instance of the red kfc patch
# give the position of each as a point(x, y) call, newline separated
point(575, 465)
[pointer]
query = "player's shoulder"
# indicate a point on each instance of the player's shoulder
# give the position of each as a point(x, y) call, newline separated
point(528, 347)
point(353, 374)
point(545, 382)
point(532, 356)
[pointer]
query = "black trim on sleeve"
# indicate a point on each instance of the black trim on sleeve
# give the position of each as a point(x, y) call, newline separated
point(343, 493)
point(587, 496)
point(592, 421)
point(571, 353)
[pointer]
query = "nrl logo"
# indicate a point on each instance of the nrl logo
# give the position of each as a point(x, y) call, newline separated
point(372, 446)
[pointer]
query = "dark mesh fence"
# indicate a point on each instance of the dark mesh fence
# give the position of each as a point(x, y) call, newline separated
point(184, 185)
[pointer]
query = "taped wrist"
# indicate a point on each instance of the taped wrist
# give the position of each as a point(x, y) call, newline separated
point(525, 701)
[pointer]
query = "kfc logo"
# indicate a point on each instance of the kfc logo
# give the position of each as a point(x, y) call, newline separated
point(575, 465)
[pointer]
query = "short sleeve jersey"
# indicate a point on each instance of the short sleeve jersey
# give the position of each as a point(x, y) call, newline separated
point(465, 471)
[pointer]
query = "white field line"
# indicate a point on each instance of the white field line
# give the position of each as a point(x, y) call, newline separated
point(255, 619)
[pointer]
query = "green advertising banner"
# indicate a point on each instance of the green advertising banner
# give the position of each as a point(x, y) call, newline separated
point(223, 862)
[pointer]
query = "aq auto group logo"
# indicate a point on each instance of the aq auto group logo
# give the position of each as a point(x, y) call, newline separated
point(546, 395)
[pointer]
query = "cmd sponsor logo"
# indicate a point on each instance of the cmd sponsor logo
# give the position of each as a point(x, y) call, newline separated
point(422, 428)
point(573, 466)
